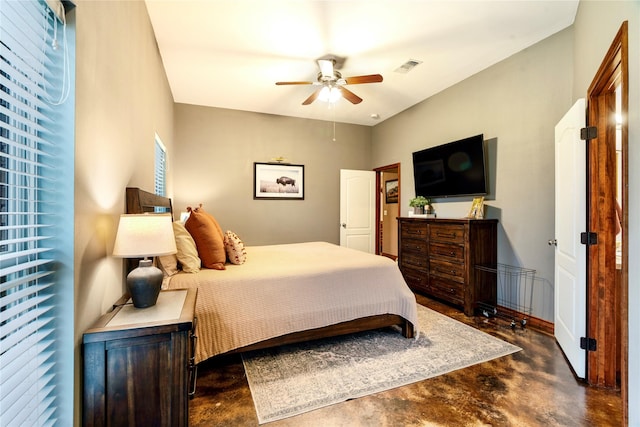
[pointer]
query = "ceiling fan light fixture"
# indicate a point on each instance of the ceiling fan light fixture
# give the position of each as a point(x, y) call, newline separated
point(330, 94)
point(333, 85)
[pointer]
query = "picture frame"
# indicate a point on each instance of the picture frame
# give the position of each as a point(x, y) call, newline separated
point(391, 191)
point(477, 209)
point(278, 181)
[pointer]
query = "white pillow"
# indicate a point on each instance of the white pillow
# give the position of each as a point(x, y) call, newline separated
point(168, 264)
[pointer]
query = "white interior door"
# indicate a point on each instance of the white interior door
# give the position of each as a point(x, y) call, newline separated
point(570, 221)
point(357, 209)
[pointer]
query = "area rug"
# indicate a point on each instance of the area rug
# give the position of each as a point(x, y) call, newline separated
point(290, 380)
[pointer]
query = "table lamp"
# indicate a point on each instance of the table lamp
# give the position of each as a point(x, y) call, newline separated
point(144, 235)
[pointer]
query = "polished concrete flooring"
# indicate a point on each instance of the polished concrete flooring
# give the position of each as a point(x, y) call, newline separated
point(533, 387)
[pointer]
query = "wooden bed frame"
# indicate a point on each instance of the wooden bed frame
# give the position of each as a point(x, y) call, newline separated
point(140, 201)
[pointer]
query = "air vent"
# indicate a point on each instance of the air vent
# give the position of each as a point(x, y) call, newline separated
point(407, 66)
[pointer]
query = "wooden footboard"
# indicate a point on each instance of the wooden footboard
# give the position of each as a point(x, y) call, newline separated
point(350, 327)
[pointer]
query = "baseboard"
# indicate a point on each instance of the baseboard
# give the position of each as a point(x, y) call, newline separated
point(532, 322)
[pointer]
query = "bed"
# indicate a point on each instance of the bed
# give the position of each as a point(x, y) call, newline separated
point(290, 293)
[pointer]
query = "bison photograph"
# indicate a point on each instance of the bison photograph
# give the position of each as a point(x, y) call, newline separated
point(278, 181)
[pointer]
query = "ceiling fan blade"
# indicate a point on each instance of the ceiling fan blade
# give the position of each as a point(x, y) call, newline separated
point(371, 78)
point(349, 96)
point(294, 83)
point(312, 98)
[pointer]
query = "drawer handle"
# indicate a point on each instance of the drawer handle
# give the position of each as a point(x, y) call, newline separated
point(440, 270)
point(446, 234)
point(451, 290)
point(414, 231)
point(446, 253)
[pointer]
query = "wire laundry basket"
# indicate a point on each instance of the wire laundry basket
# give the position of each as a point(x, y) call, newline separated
point(515, 293)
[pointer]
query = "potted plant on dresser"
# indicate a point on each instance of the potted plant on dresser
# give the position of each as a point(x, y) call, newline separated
point(421, 205)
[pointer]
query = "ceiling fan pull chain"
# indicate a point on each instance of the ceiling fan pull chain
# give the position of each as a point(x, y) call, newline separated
point(334, 130)
point(333, 107)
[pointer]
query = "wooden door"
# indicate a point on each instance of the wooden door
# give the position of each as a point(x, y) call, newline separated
point(357, 210)
point(607, 275)
point(387, 221)
point(570, 293)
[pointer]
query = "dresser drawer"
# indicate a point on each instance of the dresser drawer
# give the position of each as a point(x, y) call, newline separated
point(409, 230)
point(416, 261)
point(414, 245)
point(450, 270)
point(446, 251)
point(415, 279)
point(451, 233)
point(447, 290)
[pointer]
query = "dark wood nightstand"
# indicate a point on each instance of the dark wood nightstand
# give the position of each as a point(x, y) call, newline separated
point(139, 363)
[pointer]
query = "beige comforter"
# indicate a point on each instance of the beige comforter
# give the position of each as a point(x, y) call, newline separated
point(289, 288)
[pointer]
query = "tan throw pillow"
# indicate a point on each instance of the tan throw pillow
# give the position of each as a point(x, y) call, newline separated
point(208, 237)
point(236, 253)
point(187, 252)
point(168, 264)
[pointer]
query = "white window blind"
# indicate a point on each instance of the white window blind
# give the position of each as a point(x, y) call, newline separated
point(36, 295)
point(160, 168)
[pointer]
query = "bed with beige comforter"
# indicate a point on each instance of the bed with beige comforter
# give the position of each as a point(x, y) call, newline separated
point(282, 289)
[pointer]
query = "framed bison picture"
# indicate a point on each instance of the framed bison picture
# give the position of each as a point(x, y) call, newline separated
point(278, 181)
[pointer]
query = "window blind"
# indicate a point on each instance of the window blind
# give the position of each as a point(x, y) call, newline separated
point(33, 329)
point(160, 168)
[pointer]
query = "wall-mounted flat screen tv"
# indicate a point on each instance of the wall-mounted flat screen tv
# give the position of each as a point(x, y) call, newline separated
point(453, 169)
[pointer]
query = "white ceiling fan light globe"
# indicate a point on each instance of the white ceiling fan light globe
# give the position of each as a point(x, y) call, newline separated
point(330, 94)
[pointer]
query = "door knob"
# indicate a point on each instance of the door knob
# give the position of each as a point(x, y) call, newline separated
point(344, 225)
point(553, 242)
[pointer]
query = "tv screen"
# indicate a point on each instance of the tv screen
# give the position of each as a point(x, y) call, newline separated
point(453, 169)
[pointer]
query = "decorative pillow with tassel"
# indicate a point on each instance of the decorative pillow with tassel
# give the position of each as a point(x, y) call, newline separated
point(207, 234)
point(236, 253)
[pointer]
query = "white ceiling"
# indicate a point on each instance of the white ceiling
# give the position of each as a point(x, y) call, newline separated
point(230, 53)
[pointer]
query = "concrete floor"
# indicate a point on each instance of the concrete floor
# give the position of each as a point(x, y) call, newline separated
point(533, 387)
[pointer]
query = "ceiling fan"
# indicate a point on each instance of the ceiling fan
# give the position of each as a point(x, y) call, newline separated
point(332, 83)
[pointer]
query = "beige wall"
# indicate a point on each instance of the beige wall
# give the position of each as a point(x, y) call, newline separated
point(515, 104)
point(122, 99)
point(215, 152)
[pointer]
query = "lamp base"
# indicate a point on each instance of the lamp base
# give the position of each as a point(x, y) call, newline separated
point(144, 283)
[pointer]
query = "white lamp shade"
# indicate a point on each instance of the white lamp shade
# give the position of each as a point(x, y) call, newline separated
point(144, 235)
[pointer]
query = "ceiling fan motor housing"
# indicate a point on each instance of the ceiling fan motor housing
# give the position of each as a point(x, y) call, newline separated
point(332, 78)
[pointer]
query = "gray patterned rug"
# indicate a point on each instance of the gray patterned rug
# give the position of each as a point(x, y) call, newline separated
point(290, 380)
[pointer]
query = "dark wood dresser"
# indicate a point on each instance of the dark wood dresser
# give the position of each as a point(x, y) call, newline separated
point(437, 257)
point(139, 363)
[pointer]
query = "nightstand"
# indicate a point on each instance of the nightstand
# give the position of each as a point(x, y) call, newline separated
point(139, 363)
